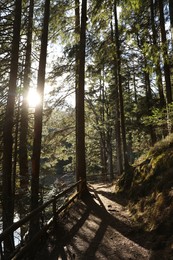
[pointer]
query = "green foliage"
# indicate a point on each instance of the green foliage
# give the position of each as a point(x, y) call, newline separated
point(161, 118)
point(58, 141)
point(135, 4)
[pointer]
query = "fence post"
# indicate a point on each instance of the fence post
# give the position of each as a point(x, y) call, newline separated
point(54, 211)
point(1, 252)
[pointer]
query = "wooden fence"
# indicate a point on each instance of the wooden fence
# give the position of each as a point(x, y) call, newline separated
point(21, 250)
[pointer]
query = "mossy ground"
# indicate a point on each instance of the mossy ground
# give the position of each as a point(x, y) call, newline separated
point(151, 191)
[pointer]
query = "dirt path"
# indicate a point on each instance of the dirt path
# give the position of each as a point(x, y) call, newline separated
point(99, 228)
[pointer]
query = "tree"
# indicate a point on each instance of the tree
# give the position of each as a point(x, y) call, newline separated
point(77, 60)
point(7, 193)
point(80, 110)
point(99, 118)
point(157, 63)
point(171, 16)
point(115, 93)
point(34, 225)
point(77, 38)
point(166, 65)
point(23, 150)
point(118, 56)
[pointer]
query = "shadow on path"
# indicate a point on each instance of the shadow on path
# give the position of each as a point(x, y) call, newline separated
point(82, 234)
point(135, 234)
point(114, 197)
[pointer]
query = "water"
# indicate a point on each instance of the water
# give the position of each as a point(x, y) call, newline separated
point(17, 232)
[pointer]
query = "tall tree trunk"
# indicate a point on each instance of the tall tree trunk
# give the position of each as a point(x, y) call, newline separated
point(16, 134)
point(80, 111)
point(77, 39)
point(115, 94)
point(102, 117)
point(134, 84)
point(117, 125)
point(109, 148)
point(103, 153)
point(149, 102)
point(171, 22)
point(7, 193)
point(23, 151)
point(34, 225)
point(165, 54)
point(157, 69)
point(123, 131)
point(171, 17)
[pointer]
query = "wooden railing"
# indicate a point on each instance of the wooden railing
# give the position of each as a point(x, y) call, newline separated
point(21, 250)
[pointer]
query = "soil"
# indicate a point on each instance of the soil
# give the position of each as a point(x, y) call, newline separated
point(101, 227)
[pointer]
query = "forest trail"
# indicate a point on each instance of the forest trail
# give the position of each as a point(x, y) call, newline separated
point(100, 227)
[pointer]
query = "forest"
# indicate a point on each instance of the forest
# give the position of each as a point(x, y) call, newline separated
point(86, 91)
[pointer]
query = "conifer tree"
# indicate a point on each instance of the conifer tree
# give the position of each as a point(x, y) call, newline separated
point(119, 75)
point(171, 17)
point(166, 65)
point(23, 146)
point(34, 225)
point(7, 192)
point(80, 107)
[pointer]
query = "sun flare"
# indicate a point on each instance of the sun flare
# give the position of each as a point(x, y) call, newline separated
point(33, 98)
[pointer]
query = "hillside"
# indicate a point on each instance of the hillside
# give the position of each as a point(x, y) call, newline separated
point(151, 193)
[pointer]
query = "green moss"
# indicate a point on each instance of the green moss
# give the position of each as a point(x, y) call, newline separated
point(162, 145)
point(151, 190)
